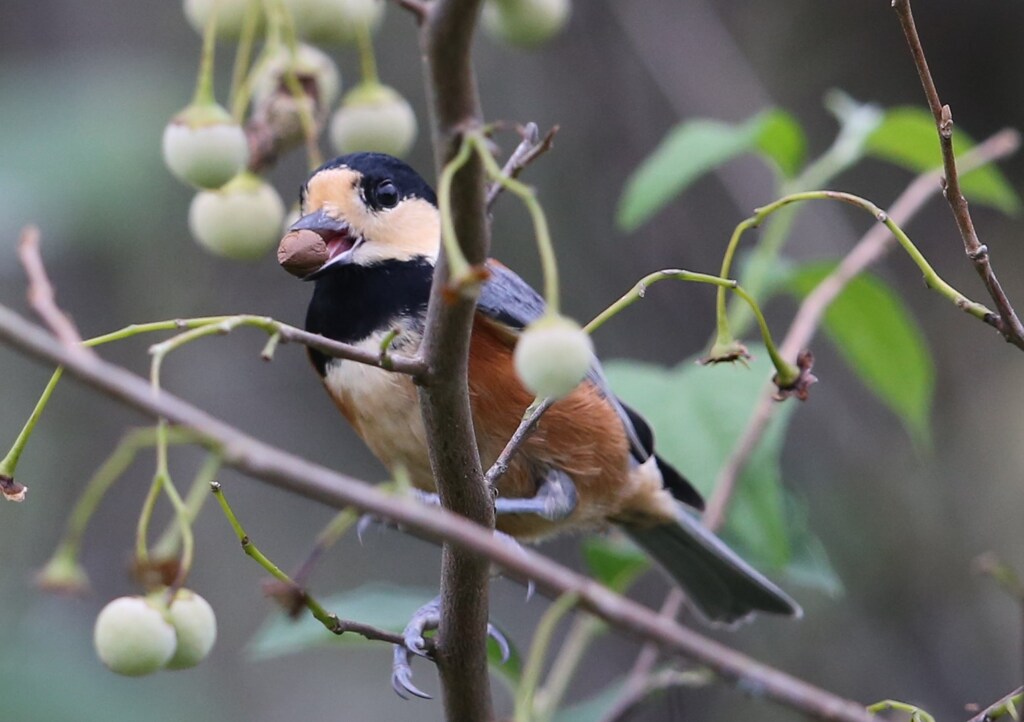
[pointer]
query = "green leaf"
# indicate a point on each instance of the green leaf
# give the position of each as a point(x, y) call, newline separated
point(781, 139)
point(385, 606)
point(880, 340)
point(698, 413)
point(694, 147)
point(614, 561)
point(907, 137)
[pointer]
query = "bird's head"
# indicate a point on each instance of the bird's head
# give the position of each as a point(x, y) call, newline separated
point(361, 209)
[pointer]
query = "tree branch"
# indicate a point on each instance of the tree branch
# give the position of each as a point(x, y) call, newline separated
point(299, 476)
point(40, 291)
point(1007, 324)
point(871, 247)
point(446, 38)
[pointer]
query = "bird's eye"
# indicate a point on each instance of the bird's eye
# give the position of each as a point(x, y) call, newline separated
point(386, 194)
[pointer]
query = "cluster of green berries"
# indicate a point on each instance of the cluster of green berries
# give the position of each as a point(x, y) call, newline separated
point(236, 213)
point(136, 636)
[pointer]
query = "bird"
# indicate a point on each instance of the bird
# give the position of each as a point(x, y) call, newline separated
point(368, 238)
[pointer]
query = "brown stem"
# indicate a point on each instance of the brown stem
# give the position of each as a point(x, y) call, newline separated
point(526, 427)
point(302, 477)
point(1008, 324)
point(41, 296)
point(446, 38)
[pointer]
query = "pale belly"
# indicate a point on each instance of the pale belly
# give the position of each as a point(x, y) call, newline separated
point(383, 406)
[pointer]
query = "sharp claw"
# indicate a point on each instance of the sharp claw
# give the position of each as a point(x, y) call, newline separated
point(499, 638)
point(416, 644)
point(364, 523)
point(401, 675)
point(530, 586)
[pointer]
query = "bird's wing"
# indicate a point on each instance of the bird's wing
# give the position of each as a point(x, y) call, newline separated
point(511, 304)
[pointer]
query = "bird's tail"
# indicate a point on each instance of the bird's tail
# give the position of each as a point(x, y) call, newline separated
point(721, 585)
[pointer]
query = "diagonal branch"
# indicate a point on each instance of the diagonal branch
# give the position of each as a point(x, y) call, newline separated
point(297, 475)
point(41, 295)
point(1007, 323)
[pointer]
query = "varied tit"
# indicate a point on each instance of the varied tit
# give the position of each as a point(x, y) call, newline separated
point(369, 236)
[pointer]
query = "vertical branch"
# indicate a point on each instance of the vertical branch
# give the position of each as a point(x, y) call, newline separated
point(1008, 324)
point(446, 37)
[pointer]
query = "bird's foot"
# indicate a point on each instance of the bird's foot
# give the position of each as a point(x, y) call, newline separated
point(425, 619)
point(555, 500)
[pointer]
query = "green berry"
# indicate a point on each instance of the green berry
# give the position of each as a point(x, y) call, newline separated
point(314, 69)
point(330, 22)
point(525, 22)
point(204, 146)
point(373, 117)
point(231, 15)
point(132, 637)
point(196, 628)
point(242, 220)
point(553, 355)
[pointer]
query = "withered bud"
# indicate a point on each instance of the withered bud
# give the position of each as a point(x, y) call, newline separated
point(12, 490)
point(301, 252)
point(802, 385)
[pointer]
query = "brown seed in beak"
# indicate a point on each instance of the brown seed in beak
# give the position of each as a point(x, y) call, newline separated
point(302, 252)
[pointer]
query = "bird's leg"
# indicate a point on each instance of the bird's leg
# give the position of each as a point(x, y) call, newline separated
point(424, 619)
point(555, 499)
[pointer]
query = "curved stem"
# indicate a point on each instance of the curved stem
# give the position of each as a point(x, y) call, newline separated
point(196, 497)
point(10, 461)
point(367, 60)
point(934, 281)
point(109, 472)
point(243, 54)
point(787, 372)
point(204, 82)
point(540, 223)
point(456, 259)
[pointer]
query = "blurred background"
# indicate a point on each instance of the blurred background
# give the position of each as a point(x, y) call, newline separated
point(85, 91)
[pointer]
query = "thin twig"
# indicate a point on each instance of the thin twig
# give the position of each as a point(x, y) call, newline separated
point(398, 363)
point(1008, 323)
point(872, 246)
point(1000, 709)
point(529, 149)
point(299, 476)
point(40, 291)
point(526, 427)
